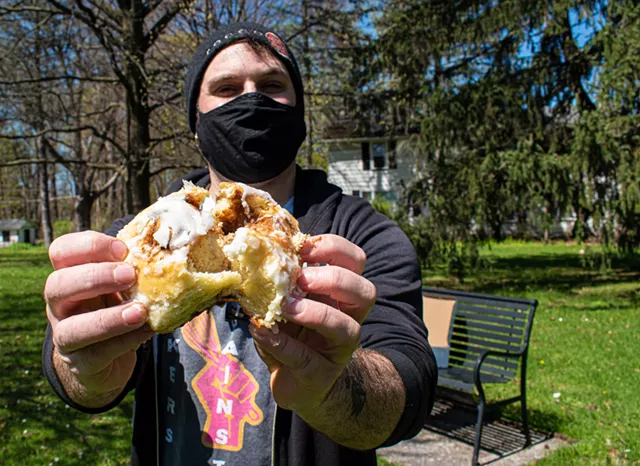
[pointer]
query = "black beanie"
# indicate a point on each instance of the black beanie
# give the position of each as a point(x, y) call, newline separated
point(226, 35)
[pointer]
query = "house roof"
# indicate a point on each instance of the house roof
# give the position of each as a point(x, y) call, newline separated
point(15, 224)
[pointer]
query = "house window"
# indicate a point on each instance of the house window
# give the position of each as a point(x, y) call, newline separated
point(6, 236)
point(355, 192)
point(366, 156)
point(379, 155)
point(366, 195)
point(391, 150)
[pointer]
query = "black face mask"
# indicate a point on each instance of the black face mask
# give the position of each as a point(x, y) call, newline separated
point(252, 138)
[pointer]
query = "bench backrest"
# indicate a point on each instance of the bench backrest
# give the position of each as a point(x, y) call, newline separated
point(482, 322)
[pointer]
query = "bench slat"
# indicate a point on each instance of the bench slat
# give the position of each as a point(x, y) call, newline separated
point(486, 318)
point(472, 355)
point(490, 302)
point(465, 373)
point(492, 310)
point(483, 344)
point(470, 329)
point(508, 373)
point(463, 379)
point(491, 328)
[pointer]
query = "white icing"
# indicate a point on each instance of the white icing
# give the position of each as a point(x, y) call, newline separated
point(258, 192)
point(179, 224)
point(243, 241)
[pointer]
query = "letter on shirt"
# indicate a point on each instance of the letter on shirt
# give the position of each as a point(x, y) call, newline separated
point(172, 344)
point(222, 436)
point(230, 348)
point(224, 405)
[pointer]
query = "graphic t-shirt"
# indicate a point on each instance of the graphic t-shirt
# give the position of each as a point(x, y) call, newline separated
point(215, 403)
point(213, 393)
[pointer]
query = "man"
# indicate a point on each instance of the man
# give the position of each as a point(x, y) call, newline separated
point(349, 372)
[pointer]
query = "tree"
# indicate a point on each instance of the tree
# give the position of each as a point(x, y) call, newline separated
point(516, 103)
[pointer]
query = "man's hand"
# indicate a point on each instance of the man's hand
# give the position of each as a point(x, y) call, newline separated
point(95, 334)
point(354, 396)
point(311, 351)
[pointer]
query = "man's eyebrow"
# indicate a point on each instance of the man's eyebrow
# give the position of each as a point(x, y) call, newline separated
point(272, 71)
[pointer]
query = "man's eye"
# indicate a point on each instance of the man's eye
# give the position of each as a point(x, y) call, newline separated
point(225, 90)
point(273, 86)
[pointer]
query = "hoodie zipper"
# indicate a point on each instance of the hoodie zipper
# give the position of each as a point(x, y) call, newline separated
point(155, 382)
point(273, 437)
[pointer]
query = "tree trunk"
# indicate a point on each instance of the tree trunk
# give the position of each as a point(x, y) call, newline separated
point(54, 194)
point(43, 180)
point(82, 211)
point(307, 75)
point(138, 173)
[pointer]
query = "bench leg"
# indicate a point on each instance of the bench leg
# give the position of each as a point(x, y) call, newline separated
point(476, 443)
point(523, 403)
point(525, 420)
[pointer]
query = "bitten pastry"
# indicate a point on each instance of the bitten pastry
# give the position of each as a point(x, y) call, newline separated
point(192, 251)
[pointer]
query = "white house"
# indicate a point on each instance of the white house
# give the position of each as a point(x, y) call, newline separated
point(371, 167)
point(16, 231)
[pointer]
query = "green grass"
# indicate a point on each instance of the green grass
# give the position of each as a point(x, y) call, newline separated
point(584, 345)
point(36, 428)
point(585, 331)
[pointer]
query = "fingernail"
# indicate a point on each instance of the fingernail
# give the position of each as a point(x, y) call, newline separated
point(310, 245)
point(118, 250)
point(304, 279)
point(265, 336)
point(124, 274)
point(134, 314)
point(293, 305)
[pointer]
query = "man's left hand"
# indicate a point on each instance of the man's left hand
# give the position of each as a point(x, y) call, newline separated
point(310, 352)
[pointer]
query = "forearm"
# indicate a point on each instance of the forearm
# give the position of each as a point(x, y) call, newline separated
point(78, 392)
point(365, 404)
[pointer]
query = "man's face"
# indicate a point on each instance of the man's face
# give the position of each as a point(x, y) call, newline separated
point(237, 70)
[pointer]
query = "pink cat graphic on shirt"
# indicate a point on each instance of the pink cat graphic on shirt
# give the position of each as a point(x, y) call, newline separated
point(225, 388)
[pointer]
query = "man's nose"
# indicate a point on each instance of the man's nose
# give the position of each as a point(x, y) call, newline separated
point(249, 86)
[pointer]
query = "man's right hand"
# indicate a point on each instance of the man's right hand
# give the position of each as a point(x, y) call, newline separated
point(95, 334)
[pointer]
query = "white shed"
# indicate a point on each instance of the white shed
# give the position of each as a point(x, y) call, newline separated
point(17, 231)
point(371, 167)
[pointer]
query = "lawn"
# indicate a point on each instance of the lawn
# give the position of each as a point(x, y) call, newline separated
point(582, 347)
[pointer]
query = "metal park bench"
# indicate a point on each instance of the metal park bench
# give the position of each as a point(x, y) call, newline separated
point(488, 338)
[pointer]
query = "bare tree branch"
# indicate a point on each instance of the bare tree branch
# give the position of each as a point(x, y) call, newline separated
point(165, 101)
point(66, 130)
point(170, 167)
point(96, 79)
point(97, 166)
point(110, 182)
point(163, 22)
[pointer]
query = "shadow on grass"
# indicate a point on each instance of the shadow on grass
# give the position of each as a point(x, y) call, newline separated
point(543, 273)
point(502, 433)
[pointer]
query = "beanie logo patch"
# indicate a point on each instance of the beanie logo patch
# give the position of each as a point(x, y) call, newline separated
point(277, 44)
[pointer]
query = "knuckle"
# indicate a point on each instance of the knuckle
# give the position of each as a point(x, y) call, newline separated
point(336, 275)
point(361, 257)
point(104, 322)
point(323, 316)
point(354, 335)
point(370, 293)
point(60, 340)
point(305, 361)
point(56, 251)
point(92, 240)
point(52, 292)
